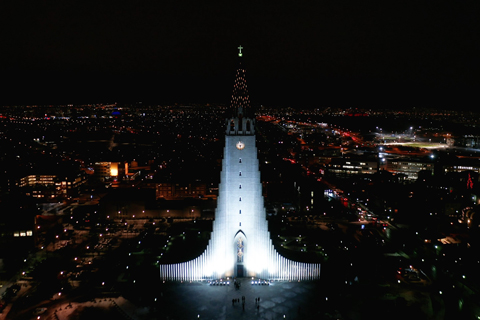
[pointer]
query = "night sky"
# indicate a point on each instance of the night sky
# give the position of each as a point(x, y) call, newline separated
point(304, 54)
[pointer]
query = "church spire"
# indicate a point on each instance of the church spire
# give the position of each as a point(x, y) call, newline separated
point(240, 123)
point(240, 244)
point(240, 103)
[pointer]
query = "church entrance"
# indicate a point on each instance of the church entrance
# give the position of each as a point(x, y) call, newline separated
point(240, 254)
point(240, 271)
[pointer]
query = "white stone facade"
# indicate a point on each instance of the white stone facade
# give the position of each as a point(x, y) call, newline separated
point(240, 244)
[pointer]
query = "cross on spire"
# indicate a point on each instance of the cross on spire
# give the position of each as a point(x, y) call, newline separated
point(240, 51)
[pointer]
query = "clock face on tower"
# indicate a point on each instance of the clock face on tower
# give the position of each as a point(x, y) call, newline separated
point(240, 145)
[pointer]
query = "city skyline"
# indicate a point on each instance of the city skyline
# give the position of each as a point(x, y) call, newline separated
point(114, 117)
point(386, 201)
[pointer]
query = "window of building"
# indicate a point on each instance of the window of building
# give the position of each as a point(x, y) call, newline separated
point(240, 211)
point(240, 199)
point(240, 173)
point(240, 249)
point(240, 186)
point(240, 160)
point(239, 224)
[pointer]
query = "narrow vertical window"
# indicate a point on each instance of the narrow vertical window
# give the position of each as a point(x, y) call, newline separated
point(240, 186)
point(240, 160)
point(239, 224)
point(240, 173)
point(240, 211)
point(240, 249)
point(240, 199)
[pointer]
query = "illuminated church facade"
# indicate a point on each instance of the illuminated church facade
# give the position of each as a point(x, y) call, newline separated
point(240, 243)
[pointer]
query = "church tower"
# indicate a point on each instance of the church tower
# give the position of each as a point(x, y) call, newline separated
point(240, 243)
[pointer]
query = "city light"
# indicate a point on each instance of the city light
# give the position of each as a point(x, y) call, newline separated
point(348, 186)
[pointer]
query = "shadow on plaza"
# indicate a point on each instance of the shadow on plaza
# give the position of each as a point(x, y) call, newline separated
point(279, 300)
point(294, 300)
point(290, 300)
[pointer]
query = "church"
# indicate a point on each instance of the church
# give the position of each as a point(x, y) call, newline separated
point(240, 243)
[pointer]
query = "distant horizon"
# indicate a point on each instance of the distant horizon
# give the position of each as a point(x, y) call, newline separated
point(337, 93)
